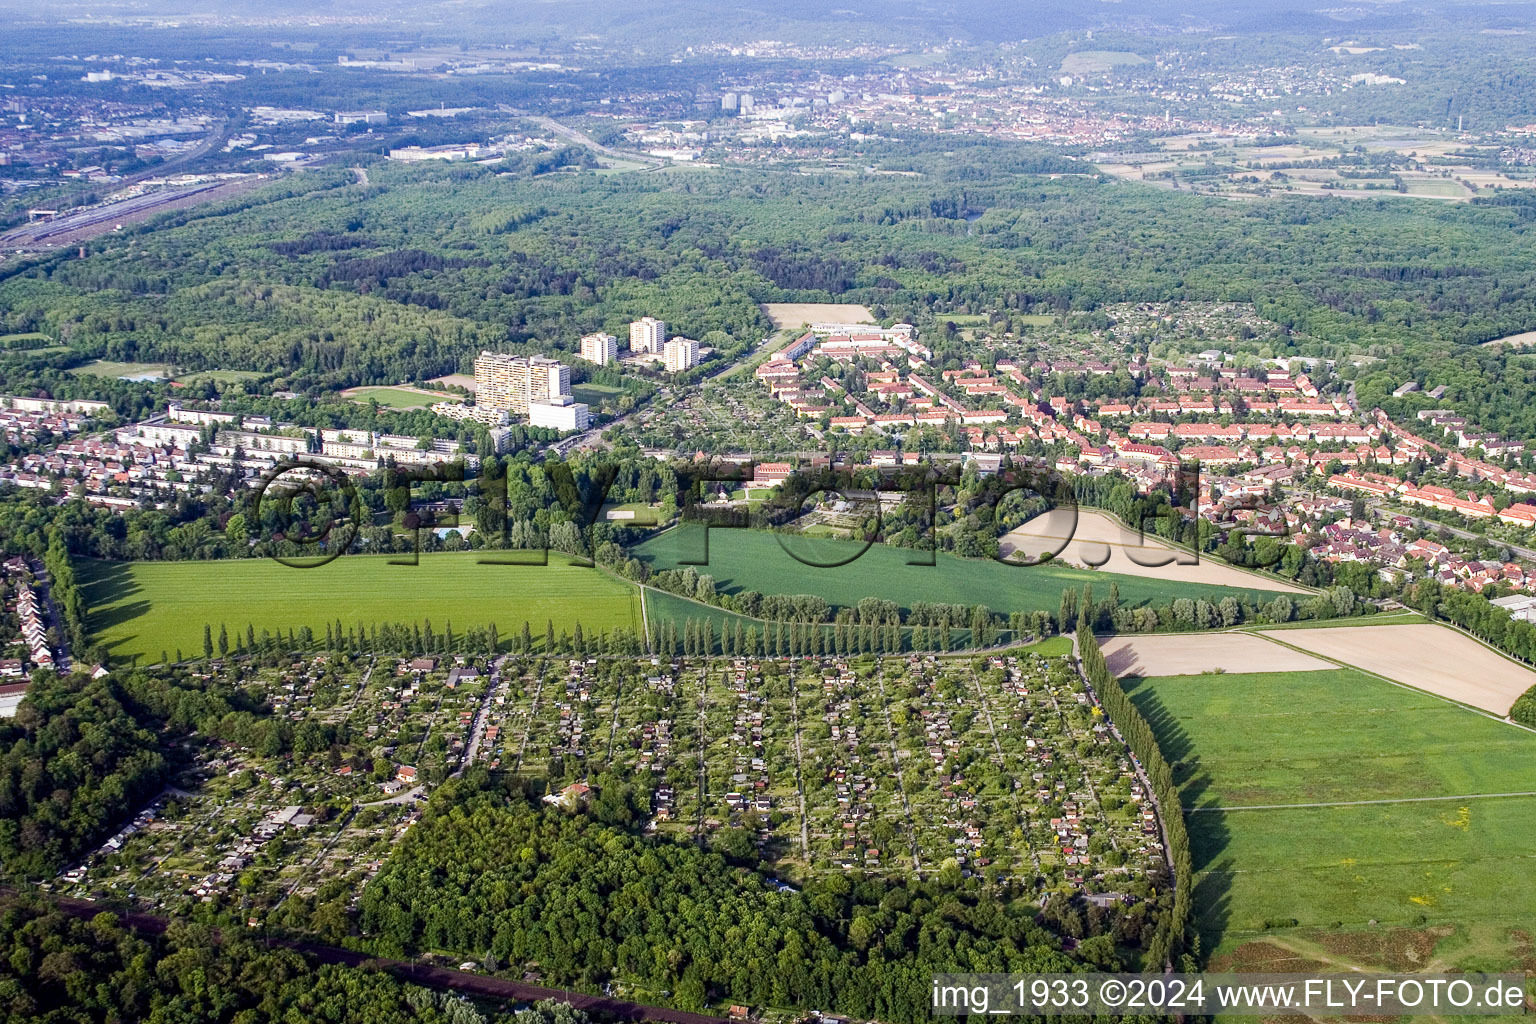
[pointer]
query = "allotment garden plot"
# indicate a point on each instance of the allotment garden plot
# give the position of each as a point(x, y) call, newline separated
point(1000, 765)
point(301, 808)
point(1011, 770)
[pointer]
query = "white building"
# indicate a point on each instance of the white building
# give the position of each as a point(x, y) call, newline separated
point(648, 335)
point(416, 154)
point(600, 348)
point(1521, 607)
point(563, 414)
point(491, 417)
point(361, 117)
point(681, 354)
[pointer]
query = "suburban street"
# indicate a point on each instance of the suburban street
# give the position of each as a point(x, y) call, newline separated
point(1455, 531)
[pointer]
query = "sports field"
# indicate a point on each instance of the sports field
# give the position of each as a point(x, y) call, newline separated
point(399, 398)
point(1333, 799)
point(140, 609)
point(754, 560)
point(113, 368)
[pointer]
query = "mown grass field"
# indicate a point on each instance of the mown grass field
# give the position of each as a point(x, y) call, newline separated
point(140, 609)
point(1297, 738)
point(398, 398)
point(219, 376)
point(112, 368)
point(754, 560)
point(661, 606)
point(594, 394)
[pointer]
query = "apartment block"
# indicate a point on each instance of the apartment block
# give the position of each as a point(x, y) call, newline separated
point(600, 348)
point(681, 354)
point(648, 335)
point(510, 382)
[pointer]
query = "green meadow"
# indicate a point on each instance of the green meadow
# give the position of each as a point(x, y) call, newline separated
point(397, 398)
point(139, 609)
point(1277, 742)
point(742, 560)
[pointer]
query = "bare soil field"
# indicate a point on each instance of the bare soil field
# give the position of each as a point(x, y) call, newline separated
point(1100, 541)
point(1426, 656)
point(793, 314)
point(463, 380)
point(1522, 340)
point(1196, 654)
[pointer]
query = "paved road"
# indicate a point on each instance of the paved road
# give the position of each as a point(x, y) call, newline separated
point(62, 659)
point(493, 685)
point(1454, 531)
point(582, 138)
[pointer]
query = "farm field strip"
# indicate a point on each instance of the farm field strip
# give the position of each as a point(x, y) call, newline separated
point(1363, 803)
point(1217, 808)
point(1092, 538)
point(1307, 737)
point(1425, 656)
point(789, 315)
point(1175, 654)
point(741, 560)
point(1398, 865)
point(139, 609)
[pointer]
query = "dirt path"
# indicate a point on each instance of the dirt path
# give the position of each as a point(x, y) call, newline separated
point(1356, 803)
point(805, 828)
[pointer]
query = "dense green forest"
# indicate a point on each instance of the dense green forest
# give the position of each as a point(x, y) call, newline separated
point(488, 869)
point(55, 969)
point(328, 283)
point(81, 755)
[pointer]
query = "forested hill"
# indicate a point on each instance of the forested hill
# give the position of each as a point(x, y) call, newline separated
point(408, 277)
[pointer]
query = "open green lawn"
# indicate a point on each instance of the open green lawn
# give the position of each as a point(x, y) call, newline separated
point(41, 350)
point(219, 376)
point(594, 394)
point(1295, 738)
point(110, 368)
point(753, 560)
point(661, 606)
point(644, 514)
point(1401, 865)
point(142, 608)
point(399, 398)
point(1304, 737)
